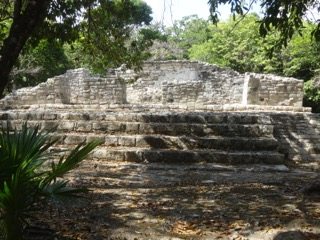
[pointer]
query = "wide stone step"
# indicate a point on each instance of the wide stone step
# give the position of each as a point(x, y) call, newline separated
point(181, 156)
point(91, 166)
point(170, 142)
point(168, 117)
point(187, 156)
point(114, 173)
point(173, 129)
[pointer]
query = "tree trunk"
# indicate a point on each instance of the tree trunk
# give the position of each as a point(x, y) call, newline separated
point(23, 25)
point(13, 227)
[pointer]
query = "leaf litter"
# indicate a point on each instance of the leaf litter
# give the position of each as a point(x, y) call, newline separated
point(228, 209)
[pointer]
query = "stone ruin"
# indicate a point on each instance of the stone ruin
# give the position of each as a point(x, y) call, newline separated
point(176, 84)
point(174, 111)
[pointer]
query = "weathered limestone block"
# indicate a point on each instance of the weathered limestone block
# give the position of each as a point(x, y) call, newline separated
point(111, 141)
point(100, 126)
point(49, 116)
point(74, 139)
point(91, 138)
point(83, 126)
point(132, 128)
point(66, 126)
point(100, 153)
point(127, 141)
point(49, 125)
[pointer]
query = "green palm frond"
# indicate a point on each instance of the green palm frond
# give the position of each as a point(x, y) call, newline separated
point(64, 166)
point(59, 190)
point(24, 178)
point(25, 149)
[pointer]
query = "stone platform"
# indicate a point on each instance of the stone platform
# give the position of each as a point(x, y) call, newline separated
point(180, 136)
point(174, 111)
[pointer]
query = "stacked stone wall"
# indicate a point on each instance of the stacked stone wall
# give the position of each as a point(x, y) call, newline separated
point(42, 94)
point(75, 87)
point(183, 82)
point(80, 87)
point(186, 84)
point(271, 90)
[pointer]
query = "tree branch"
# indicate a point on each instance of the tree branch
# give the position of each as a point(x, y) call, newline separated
point(243, 16)
point(21, 29)
point(17, 8)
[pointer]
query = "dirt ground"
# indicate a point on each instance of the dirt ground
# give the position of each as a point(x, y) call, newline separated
point(203, 201)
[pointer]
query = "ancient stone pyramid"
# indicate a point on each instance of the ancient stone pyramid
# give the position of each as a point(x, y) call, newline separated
point(173, 112)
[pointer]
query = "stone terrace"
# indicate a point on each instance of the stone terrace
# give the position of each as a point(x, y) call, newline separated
point(174, 111)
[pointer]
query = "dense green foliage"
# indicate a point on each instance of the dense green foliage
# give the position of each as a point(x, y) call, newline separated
point(176, 41)
point(238, 47)
point(312, 94)
point(107, 39)
point(104, 33)
point(111, 33)
point(25, 179)
point(237, 44)
point(285, 17)
point(37, 64)
point(111, 38)
point(188, 32)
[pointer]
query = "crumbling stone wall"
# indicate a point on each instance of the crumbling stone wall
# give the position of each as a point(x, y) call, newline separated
point(190, 82)
point(77, 86)
point(182, 83)
point(271, 90)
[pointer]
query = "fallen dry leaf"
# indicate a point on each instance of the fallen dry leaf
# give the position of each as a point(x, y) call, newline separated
point(185, 228)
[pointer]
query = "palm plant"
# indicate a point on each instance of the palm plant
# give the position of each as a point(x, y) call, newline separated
point(26, 177)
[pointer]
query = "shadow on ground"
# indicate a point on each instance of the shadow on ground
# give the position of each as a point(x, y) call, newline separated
point(150, 202)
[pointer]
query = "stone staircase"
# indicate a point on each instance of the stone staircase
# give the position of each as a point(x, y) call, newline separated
point(167, 137)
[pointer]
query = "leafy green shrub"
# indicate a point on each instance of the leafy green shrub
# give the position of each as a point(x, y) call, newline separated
point(238, 45)
point(25, 179)
point(311, 96)
point(38, 63)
